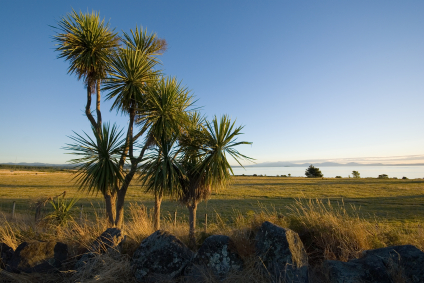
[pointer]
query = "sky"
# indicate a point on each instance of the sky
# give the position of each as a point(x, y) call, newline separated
point(309, 80)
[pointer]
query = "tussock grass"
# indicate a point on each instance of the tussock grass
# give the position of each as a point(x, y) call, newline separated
point(328, 231)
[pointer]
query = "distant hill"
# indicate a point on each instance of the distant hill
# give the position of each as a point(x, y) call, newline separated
point(324, 164)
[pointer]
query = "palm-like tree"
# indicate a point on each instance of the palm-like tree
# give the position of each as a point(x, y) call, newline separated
point(88, 44)
point(98, 166)
point(205, 150)
point(161, 174)
point(156, 105)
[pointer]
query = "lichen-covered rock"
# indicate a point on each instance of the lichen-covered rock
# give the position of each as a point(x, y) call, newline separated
point(6, 254)
point(112, 238)
point(391, 264)
point(37, 256)
point(217, 254)
point(282, 253)
point(161, 256)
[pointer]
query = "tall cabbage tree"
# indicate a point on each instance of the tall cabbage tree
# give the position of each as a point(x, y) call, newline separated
point(205, 151)
point(161, 174)
point(88, 43)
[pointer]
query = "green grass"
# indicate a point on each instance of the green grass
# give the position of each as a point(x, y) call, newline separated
point(394, 201)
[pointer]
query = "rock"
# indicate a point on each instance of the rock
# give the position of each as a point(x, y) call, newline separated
point(391, 264)
point(109, 241)
point(6, 254)
point(85, 259)
point(160, 257)
point(112, 238)
point(282, 254)
point(217, 254)
point(37, 256)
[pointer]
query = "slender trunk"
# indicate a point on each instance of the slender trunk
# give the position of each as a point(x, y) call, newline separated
point(88, 107)
point(158, 201)
point(119, 220)
point(110, 200)
point(99, 113)
point(192, 209)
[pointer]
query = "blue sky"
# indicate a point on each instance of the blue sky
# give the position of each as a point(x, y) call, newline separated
point(310, 80)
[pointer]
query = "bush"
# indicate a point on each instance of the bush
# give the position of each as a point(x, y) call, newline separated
point(313, 172)
point(338, 176)
point(284, 176)
point(383, 176)
point(356, 174)
point(405, 178)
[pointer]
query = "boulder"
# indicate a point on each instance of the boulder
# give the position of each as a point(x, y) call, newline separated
point(112, 238)
point(218, 254)
point(282, 253)
point(391, 264)
point(37, 256)
point(160, 257)
point(109, 241)
point(6, 254)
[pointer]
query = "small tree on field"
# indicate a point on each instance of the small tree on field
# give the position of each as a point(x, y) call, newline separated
point(313, 172)
point(356, 174)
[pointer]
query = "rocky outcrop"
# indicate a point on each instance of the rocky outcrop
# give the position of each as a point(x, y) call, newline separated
point(160, 257)
point(217, 255)
point(36, 256)
point(6, 254)
point(391, 264)
point(282, 253)
point(112, 238)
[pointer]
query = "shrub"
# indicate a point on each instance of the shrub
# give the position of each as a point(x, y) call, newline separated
point(405, 178)
point(313, 172)
point(356, 174)
point(284, 176)
point(338, 176)
point(383, 176)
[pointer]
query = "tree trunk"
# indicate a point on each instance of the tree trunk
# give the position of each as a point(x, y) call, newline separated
point(192, 209)
point(88, 107)
point(158, 201)
point(99, 113)
point(110, 200)
point(119, 220)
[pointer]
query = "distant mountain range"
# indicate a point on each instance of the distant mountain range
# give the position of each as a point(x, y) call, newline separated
point(38, 164)
point(324, 164)
point(264, 164)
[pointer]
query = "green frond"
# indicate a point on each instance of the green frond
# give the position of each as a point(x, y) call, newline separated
point(98, 167)
point(130, 72)
point(165, 109)
point(87, 43)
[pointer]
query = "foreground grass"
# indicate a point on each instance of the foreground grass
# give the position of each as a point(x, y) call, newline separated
point(328, 232)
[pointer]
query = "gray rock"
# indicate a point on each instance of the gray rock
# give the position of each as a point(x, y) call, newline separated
point(282, 253)
point(6, 254)
point(112, 238)
point(109, 241)
point(37, 256)
point(217, 254)
point(391, 264)
point(160, 257)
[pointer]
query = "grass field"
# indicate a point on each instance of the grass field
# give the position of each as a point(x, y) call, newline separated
point(336, 219)
point(390, 200)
